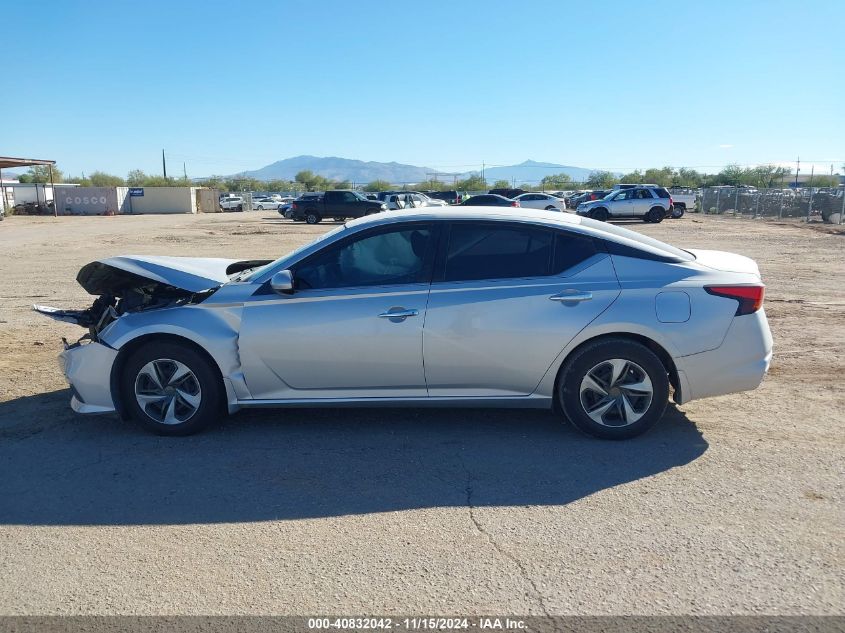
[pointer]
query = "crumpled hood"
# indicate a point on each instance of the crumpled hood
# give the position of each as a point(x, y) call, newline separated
point(115, 275)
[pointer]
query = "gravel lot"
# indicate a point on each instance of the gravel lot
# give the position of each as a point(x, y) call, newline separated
point(732, 505)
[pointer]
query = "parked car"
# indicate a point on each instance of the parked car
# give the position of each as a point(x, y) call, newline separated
point(541, 201)
point(338, 204)
point(232, 203)
point(449, 197)
point(477, 307)
point(507, 192)
point(269, 202)
point(627, 185)
point(587, 196)
point(651, 204)
point(408, 199)
point(489, 200)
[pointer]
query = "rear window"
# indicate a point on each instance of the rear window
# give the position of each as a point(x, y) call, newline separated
point(661, 192)
point(638, 238)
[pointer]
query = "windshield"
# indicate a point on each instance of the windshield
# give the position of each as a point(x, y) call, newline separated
point(255, 274)
point(360, 196)
point(613, 194)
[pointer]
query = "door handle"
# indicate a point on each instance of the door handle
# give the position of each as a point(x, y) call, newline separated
point(399, 313)
point(573, 296)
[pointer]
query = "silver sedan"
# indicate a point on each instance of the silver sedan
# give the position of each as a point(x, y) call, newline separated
point(462, 307)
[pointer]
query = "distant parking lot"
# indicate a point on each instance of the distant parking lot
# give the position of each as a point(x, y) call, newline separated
point(730, 505)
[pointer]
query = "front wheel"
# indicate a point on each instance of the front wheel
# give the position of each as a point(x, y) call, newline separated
point(171, 389)
point(601, 215)
point(613, 389)
point(312, 218)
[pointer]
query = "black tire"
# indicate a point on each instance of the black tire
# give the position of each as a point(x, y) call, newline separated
point(204, 381)
point(657, 214)
point(595, 357)
point(678, 212)
point(551, 208)
point(601, 214)
point(372, 211)
point(312, 217)
point(240, 207)
point(259, 208)
point(339, 219)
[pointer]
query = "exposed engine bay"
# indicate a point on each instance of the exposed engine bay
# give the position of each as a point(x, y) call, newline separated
point(135, 284)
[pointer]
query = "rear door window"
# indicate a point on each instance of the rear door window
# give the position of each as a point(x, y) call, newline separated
point(487, 251)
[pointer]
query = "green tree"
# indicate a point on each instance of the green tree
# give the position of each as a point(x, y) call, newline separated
point(556, 181)
point(82, 180)
point(687, 178)
point(310, 180)
point(279, 185)
point(136, 178)
point(662, 177)
point(377, 185)
point(41, 174)
point(601, 180)
point(501, 184)
point(432, 185)
point(102, 179)
point(474, 183)
point(824, 180)
point(633, 178)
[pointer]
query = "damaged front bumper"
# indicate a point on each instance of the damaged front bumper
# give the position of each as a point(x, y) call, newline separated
point(87, 368)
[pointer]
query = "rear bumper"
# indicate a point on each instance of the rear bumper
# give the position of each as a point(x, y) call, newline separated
point(739, 364)
point(87, 369)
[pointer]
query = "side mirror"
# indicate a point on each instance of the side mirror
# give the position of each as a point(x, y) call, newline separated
point(282, 282)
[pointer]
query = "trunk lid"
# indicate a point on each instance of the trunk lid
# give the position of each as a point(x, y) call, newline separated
point(724, 261)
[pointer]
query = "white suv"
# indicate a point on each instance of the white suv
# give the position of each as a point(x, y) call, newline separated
point(650, 204)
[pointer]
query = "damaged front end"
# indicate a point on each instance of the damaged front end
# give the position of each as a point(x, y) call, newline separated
point(136, 284)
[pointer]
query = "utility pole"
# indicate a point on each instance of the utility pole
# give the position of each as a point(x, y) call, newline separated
point(797, 169)
point(184, 171)
point(163, 165)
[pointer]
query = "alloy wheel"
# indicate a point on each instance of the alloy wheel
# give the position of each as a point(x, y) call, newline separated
point(616, 392)
point(167, 391)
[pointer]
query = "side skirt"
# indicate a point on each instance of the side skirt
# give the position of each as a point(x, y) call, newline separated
point(515, 402)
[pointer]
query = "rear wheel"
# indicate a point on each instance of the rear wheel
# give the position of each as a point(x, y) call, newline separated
point(601, 215)
point(550, 208)
point(171, 389)
point(614, 389)
point(259, 208)
point(654, 215)
point(678, 212)
point(312, 218)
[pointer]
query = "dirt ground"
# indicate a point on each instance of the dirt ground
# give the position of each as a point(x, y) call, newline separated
point(732, 505)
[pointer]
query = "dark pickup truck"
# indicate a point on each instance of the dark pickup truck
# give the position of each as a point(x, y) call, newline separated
point(339, 204)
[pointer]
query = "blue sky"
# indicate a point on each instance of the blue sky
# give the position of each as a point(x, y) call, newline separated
point(229, 86)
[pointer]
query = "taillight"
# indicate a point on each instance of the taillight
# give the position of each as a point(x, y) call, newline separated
point(671, 202)
point(750, 297)
point(515, 203)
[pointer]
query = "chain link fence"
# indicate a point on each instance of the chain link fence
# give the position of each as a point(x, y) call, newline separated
point(811, 205)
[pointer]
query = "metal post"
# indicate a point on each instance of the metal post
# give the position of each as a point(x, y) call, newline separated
point(810, 205)
point(736, 201)
point(757, 209)
point(842, 212)
point(53, 187)
point(2, 192)
point(718, 194)
point(780, 211)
